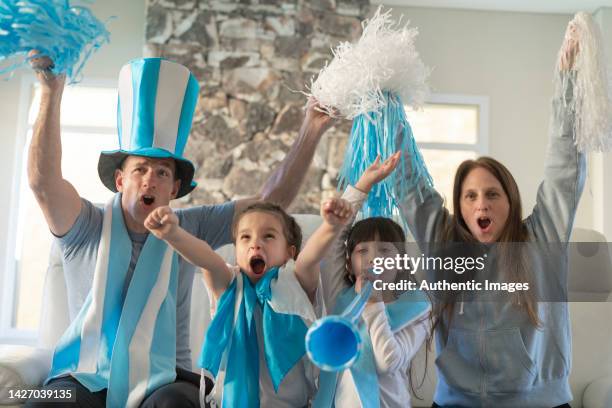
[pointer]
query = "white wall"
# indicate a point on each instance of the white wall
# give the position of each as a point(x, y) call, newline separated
point(127, 41)
point(510, 58)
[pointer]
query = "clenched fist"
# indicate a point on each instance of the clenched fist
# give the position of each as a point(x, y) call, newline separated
point(42, 66)
point(570, 48)
point(336, 211)
point(162, 222)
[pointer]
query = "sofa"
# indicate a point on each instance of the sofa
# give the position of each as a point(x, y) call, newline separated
point(590, 278)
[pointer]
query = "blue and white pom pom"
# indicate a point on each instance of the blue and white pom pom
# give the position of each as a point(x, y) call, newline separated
point(383, 133)
point(67, 34)
point(588, 78)
point(370, 81)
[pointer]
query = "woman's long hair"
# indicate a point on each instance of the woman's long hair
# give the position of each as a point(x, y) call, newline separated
point(513, 257)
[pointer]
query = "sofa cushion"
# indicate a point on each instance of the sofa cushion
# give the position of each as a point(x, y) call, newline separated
point(22, 367)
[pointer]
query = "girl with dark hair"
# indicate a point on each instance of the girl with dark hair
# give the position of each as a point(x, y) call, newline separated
point(393, 326)
point(516, 352)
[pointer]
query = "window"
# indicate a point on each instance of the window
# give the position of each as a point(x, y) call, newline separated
point(449, 130)
point(88, 125)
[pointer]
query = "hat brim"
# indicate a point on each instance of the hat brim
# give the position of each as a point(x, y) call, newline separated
point(111, 160)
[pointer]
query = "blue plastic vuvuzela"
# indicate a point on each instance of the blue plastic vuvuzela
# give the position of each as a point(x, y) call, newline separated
point(333, 343)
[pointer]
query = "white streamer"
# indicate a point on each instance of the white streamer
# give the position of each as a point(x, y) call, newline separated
point(384, 59)
point(590, 98)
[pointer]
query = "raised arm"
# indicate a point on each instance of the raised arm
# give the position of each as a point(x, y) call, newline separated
point(58, 199)
point(164, 224)
point(333, 264)
point(422, 207)
point(336, 213)
point(284, 183)
point(565, 168)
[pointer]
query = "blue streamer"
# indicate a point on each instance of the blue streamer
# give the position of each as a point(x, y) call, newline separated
point(383, 133)
point(66, 34)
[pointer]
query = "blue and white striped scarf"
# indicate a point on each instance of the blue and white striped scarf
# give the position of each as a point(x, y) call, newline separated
point(127, 346)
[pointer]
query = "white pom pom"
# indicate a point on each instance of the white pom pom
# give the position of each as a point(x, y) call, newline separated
point(588, 77)
point(384, 59)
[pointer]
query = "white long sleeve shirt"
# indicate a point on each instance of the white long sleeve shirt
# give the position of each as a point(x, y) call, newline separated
point(393, 351)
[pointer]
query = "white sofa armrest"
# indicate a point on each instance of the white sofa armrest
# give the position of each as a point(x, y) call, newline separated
point(22, 367)
point(598, 394)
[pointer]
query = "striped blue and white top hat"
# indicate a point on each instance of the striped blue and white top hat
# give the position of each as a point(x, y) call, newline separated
point(157, 99)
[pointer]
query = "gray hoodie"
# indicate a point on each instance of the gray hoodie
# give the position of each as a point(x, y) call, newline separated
point(492, 355)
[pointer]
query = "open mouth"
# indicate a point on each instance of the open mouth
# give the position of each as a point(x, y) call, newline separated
point(484, 222)
point(148, 199)
point(258, 265)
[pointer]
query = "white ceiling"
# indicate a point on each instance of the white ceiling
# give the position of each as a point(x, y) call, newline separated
point(534, 6)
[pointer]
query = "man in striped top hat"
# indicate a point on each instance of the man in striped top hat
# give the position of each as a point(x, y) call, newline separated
point(129, 294)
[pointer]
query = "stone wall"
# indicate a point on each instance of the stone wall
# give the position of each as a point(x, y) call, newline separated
point(252, 59)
